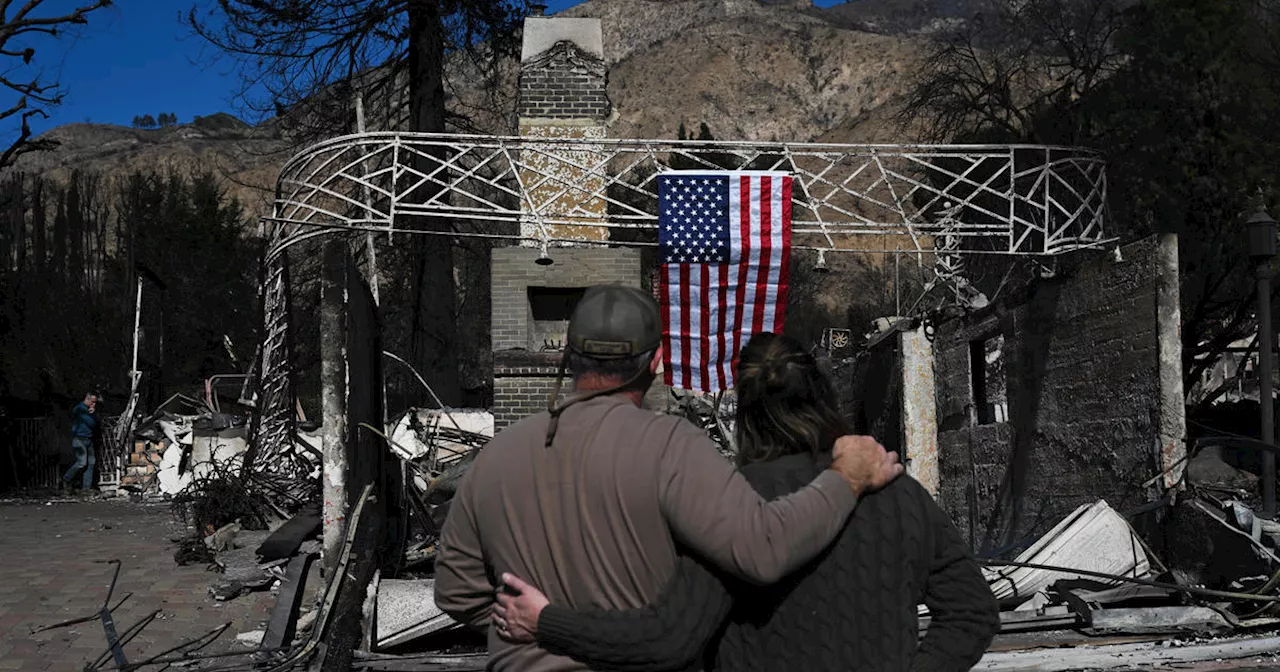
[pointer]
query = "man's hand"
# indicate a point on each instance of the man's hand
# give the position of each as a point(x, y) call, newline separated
point(519, 606)
point(864, 463)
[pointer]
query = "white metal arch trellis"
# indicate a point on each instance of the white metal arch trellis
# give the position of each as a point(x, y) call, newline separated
point(1038, 200)
point(1025, 200)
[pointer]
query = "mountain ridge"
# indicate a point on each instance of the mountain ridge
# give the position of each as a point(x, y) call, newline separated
point(752, 70)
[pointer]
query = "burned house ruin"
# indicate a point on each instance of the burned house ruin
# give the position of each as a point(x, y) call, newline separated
point(1020, 415)
point(1064, 392)
point(1046, 416)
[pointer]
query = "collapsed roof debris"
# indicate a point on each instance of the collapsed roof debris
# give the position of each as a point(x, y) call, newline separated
point(258, 528)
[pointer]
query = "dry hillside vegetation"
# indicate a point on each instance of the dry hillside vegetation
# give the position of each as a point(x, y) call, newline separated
point(247, 158)
point(752, 71)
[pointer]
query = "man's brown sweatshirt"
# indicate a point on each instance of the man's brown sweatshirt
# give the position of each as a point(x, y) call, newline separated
point(593, 519)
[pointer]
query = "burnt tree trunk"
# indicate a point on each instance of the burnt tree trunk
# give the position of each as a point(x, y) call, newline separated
point(367, 462)
point(39, 251)
point(8, 232)
point(20, 225)
point(58, 259)
point(433, 339)
point(75, 234)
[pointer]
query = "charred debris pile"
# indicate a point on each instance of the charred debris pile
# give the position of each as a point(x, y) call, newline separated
point(1090, 581)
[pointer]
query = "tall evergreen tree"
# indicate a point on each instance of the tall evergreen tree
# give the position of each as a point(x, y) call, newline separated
point(58, 258)
point(703, 160)
point(18, 214)
point(39, 220)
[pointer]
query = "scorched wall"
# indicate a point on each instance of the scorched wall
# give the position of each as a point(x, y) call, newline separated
point(1068, 409)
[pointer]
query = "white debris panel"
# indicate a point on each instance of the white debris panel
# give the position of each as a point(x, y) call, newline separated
point(407, 611)
point(193, 453)
point(439, 436)
point(1093, 538)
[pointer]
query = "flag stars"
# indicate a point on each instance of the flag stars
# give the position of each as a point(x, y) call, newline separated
point(694, 220)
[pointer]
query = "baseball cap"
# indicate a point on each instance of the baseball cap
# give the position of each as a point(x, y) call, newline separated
point(613, 322)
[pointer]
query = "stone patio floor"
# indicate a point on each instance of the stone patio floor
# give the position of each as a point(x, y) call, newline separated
point(51, 570)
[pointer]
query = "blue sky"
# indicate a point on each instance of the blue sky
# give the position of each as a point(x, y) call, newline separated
point(138, 57)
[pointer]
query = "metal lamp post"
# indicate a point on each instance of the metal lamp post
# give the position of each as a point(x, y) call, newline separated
point(1262, 248)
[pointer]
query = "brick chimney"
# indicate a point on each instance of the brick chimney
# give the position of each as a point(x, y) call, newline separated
point(563, 78)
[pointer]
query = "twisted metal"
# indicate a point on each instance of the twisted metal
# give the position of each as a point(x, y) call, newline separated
point(274, 428)
point(949, 262)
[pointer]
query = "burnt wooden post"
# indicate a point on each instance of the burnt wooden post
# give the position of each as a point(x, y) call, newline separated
point(1262, 249)
point(374, 541)
point(333, 381)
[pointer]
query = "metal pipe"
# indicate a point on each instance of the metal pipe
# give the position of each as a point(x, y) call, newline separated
point(137, 323)
point(164, 301)
point(1266, 402)
point(210, 400)
point(439, 404)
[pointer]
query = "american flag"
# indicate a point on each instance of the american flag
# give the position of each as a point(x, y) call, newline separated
point(725, 243)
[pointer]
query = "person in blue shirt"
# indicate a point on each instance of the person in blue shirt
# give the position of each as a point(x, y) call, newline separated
point(84, 420)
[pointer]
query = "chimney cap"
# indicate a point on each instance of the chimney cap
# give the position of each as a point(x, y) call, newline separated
point(537, 8)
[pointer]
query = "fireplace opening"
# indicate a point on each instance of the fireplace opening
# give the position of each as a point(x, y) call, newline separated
point(549, 311)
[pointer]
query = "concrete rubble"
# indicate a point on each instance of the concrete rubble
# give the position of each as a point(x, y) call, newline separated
point(407, 611)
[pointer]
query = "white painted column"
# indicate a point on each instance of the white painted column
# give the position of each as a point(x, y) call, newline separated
point(1173, 409)
point(919, 409)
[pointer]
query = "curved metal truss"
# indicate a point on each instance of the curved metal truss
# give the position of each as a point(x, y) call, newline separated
point(948, 200)
point(1024, 200)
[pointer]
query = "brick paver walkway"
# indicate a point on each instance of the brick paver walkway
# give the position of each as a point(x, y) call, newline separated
point(48, 574)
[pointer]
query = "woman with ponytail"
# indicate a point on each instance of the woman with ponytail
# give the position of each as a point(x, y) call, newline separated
point(854, 607)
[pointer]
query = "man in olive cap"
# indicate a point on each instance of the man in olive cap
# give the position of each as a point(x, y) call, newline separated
point(588, 499)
